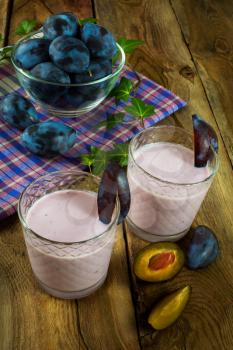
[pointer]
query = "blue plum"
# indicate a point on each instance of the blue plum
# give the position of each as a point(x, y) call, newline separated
point(123, 194)
point(69, 54)
point(32, 52)
point(48, 138)
point(99, 41)
point(98, 68)
point(72, 98)
point(18, 111)
point(203, 248)
point(60, 24)
point(204, 138)
point(48, 93)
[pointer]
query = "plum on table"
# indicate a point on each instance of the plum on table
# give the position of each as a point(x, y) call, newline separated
point(203, 248)
point(98, 68)
point(32, 52)
point(48, 138)
point(99, 41)
point(69, 54)
point(60, 24)
point(47, 71)
point(18, 111)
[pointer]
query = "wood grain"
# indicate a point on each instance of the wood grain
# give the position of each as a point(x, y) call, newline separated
point(39, 10)
point(4, 20)
point(213, 55)
point(207, 320)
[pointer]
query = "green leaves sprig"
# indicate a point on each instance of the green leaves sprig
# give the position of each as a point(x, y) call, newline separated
point(129, 45)
point(97, 159)
point(111, 121)
point(122, 91)
point(26, 26)
point(140, 109)
point(87, 20)
point(5, 52)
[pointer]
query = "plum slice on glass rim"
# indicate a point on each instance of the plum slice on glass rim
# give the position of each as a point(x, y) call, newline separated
point(204, 138)
point(113, 184)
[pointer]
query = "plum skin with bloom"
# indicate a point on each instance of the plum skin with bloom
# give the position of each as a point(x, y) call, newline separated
point(18, 111)
point(60, 24)
point(48, 93)
point(69, 54)
point(99, 41)
point(32, 52)
point(48, 138)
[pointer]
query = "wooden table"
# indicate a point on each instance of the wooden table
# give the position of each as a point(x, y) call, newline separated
point(189, 50)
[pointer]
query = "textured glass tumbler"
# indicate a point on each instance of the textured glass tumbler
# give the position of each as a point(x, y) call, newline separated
point(162, 210)
point(67, 270)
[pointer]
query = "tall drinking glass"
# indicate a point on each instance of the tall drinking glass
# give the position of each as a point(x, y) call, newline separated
point(67, 268)
point(166, 189)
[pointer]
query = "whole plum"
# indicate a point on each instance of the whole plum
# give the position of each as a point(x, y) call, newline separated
point(48, 93)
point(60, 24)
point(32, 52)
point(69, 54)
point(48, 138)
point(203, 248)
point(99, 41)
point(18, 111)
point(98, 68)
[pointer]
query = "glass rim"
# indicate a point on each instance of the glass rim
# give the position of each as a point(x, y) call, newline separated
point(31, 77)
point(133, 140)
point(116, 211)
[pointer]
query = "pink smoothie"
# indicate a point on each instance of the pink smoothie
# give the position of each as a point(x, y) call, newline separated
point(160, 204)
point(68, 216)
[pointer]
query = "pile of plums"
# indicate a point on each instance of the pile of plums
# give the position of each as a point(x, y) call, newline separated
point(68, 53)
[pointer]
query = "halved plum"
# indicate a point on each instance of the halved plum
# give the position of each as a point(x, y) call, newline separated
point(123, 194)
point(204, 138)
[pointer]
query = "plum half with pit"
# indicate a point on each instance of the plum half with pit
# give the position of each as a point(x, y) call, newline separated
point(69, 54)
point(204, 138)
point(203, 248)
point(44, 91)
point(99, 41)
point(49, 138)
point(18, 111)
point(32, 52)
point(60, 24)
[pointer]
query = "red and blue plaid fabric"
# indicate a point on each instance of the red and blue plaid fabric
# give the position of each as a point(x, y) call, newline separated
point(18, 167)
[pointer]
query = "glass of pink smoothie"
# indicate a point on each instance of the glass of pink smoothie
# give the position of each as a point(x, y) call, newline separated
point(166, 189)
point(68, 247)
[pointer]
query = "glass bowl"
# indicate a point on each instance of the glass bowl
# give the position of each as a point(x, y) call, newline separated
point(66, 100)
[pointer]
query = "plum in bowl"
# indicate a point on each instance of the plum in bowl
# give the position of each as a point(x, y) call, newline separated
point(69, 92)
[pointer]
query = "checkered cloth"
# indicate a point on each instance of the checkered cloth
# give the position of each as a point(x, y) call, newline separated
point(18, 167)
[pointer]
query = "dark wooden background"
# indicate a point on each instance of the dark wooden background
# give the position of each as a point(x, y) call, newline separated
point(189, 50)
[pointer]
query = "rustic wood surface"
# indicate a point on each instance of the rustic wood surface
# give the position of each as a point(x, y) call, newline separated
point(189, 50)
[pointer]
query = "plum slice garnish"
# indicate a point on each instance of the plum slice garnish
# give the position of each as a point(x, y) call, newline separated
point(107, 193)
point(204, 138)
point(113, 183)
point(123, 194)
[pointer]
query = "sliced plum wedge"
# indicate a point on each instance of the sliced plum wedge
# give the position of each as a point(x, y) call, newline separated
point(113, 184)
point(204, 138)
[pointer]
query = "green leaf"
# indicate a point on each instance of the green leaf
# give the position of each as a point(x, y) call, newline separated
point(129, 45)
point(140, 109)
point(100, 162)
point(123, 90)
point(26, 26)
point(88, 159)
point(120, 154)
point(111, 121)
point(5, 52)
point(87, 20)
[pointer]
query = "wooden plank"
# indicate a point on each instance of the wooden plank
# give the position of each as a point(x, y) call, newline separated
point(212, 22)
point(39, 10)
point(207, 320)
point(4, 20)
point(31, 319)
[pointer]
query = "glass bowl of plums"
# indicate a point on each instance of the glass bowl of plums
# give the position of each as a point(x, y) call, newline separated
point(66, 67)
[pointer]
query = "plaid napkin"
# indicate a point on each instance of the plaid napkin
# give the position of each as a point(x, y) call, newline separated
point(18, 167)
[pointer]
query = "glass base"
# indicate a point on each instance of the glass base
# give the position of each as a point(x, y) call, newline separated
point(72, 294)
point(147, 236)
